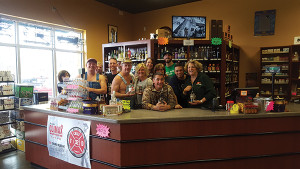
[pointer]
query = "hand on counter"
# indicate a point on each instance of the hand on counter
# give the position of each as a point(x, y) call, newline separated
point(197, 102)
point(178, 106)
point(161, 106)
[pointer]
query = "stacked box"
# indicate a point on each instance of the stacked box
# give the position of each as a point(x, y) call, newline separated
point(5, 144)
point(23, 102)
point(21, 144)
point(4, 131)
point(24, 91)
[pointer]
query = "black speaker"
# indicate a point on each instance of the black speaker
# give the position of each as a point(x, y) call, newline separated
point(220, 28)
point(213, 29)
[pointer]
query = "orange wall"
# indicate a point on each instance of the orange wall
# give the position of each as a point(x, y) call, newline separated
point(240, 15)
point(94, 17)
point(89, 15)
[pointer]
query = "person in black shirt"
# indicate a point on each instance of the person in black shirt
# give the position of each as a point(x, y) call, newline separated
point(177, 83)
point(113, 66)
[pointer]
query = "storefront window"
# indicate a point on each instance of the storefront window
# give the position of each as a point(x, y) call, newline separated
point(8, 59)
point(36, 69)
point(7, 31)
point(68, 40)
point(70, 62)
point(35, 47)
point(34, 35)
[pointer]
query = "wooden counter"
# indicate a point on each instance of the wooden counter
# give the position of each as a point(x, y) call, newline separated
point(176, 139)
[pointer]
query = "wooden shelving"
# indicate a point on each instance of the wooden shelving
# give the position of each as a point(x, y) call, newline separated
point(226, 58)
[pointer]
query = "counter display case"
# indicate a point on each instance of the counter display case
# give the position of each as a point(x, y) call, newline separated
point(176, 139)
point(220, 62)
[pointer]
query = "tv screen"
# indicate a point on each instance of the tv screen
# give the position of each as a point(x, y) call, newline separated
point(188, 27)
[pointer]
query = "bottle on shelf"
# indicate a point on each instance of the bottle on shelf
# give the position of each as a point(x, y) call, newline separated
point(295, 57)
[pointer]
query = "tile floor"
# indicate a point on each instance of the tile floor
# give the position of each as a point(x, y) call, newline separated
point(14, 160)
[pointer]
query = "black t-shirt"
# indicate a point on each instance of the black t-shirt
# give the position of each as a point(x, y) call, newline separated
point(110, 77)
point(177, 86)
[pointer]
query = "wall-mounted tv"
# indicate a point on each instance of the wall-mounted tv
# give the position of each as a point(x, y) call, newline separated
point(188, 26)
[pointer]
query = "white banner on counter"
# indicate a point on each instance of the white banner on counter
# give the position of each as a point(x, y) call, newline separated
point(68, 140)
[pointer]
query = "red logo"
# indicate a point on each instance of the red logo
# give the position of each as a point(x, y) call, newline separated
point(77, 143)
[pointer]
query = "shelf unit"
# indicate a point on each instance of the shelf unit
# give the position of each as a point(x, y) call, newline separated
point(6, 106)
point(275, 56)
point(295, 73)
point(220, 63)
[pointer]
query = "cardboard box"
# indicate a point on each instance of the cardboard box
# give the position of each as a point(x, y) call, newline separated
point(20, 134)
point(162, 33)
point(24, 91)
point(21, 145)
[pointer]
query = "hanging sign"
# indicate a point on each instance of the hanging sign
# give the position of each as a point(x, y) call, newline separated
point(68, 140)
point(163, 40)
point(216, 41)
point(188, 42)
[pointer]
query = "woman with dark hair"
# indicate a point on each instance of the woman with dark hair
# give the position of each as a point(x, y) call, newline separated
point(150, 65)
point(61, 75)
point(161, 68)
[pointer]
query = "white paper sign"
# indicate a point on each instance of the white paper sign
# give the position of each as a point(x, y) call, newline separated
point(188, 42)
point(68, 140)
point(296, 40)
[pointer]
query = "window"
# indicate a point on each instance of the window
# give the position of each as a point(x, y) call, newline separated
point(8, 59)
point(73, 60)
point(41, 50)
point(7, 31)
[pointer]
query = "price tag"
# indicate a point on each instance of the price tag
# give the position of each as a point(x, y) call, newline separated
point(188, 42)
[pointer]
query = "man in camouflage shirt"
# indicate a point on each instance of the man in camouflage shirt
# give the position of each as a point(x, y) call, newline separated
point(160, 96)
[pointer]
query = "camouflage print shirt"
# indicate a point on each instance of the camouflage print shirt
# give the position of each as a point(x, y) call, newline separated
point(151, 96)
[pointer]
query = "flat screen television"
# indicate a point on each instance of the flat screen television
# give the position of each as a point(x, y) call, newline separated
point(188, 26)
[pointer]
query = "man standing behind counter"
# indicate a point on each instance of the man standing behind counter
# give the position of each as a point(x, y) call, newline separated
point(123, 82)
point(177, 83)
point(97, 83)
point(170, 66)
point(160, 96)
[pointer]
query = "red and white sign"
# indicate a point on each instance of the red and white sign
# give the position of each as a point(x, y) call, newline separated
point(68, 140)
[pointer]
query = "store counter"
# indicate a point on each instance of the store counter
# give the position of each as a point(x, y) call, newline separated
point(176, 139)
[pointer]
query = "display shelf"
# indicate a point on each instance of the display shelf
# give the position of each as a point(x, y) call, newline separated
point(7, 95)
point(11, 107)
point(279, 57)
point(7, 123)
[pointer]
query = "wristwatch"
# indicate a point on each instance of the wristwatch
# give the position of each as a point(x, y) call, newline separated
point(201, 101)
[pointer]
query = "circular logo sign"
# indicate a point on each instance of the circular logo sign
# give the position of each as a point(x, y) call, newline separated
point(77, 142)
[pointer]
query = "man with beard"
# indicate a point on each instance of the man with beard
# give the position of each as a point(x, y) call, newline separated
point(177, 83)
point(159, 96)
point(124, 81)
point(170, 66)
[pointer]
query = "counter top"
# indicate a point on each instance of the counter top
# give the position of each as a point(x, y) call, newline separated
point(142, 115)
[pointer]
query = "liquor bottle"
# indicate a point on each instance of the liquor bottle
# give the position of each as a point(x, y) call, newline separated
point(176, 54)
point(143, 55)
point(101, 104)
point(146, 54)
point(192, 53)
point(129, 53)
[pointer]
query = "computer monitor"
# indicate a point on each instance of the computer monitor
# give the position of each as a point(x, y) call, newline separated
point(242, 95)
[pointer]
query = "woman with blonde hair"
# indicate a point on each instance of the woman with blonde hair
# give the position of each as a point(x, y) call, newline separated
point(141, 82)
point(150, 65)
point(198, 88)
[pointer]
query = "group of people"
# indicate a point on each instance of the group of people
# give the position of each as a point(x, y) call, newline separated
point(157, 87)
